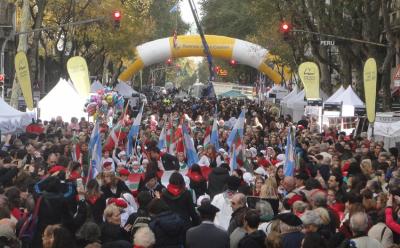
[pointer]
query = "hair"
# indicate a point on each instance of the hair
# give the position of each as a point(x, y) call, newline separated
point(366, 166)
point(144, 237)
point(62, 238)
point(299, 206)
point(311, 217)
point(177, 179)
point(93, 188)
point(144, 198)
point(157, 206)
point(89, 231)
point(268, 190)
point(319, 199)
point(285, 228)
point(324, 215)
point(265, 210)
point(110, 210)
point(13, 194)
point(273, 240)
point(252, 219)
point(359, 223)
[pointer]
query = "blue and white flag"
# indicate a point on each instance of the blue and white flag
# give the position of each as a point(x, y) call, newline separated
point(134, 131)
point(96, 152)
point(237, 130)
point(214, 140)
point(162, 141)
point(174, 8)
point(290, 162)
point(191, 153)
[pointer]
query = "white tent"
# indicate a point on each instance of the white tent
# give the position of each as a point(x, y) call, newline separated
point(294, 92)
point(347, 97)
point(127, 92)
point(338, 93)
point(279, 91)
point(297, 104)
point(12, 120)
point(63, 100)
point(96, 85)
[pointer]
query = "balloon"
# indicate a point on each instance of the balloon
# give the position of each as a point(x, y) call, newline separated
point(109, 99)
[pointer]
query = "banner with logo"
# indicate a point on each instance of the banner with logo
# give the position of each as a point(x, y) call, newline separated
point(309, 75)
point(79, 74)
point(370, 75)
point(24, 78)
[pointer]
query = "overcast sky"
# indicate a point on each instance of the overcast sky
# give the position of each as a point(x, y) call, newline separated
point(186, 13)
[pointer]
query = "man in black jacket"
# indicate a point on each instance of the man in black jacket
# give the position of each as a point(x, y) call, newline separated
point(254, 238)
point(216, 237)
point(165, 161)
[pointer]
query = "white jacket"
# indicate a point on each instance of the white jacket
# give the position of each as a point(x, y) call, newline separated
point(223, 217)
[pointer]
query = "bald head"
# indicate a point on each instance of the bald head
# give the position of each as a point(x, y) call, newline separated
point(238, 201)
point(359, 223)
point(289, 183)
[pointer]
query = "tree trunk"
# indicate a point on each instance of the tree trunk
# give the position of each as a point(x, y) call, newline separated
point(34, 51)
point(22, 46)
point(345, 67)
point(325, 71)
point(105, 69)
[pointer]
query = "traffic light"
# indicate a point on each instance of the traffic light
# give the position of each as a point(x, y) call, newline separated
point(169, 62)
point(217, 69)
point(285, 29)
point(117, 19)
point(232, 62)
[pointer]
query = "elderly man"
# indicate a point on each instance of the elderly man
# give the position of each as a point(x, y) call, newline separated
point(359, 228)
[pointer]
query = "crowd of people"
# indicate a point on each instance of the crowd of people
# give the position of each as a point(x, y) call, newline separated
point(344, 190)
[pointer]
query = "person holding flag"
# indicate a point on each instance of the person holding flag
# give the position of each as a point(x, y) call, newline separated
point(235, 141)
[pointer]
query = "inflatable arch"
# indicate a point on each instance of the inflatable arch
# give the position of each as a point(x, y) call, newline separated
point(190, 45)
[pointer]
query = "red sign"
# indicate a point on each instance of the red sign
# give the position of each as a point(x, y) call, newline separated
point(1, 77)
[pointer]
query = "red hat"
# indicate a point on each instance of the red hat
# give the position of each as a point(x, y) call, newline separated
point(124, 172)
point(118, 202)
point(300, 127)
point(56, 168)
point(74, 175)
point(294, 199)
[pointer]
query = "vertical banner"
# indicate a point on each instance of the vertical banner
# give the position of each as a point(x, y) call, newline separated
point(370, 74)
point(24, 78)
point(79, 74)
point(309, 75)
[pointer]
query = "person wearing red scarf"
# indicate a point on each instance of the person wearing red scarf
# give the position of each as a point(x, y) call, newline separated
point(180, 200)
point(197, 181)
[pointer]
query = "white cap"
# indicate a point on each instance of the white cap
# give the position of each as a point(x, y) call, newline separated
point(145, 161)
point(201, 198)
point(221, 150)
point(260, 171)
point(121, 153)
point(247, 177)
point(281, 157)
point(253, 151)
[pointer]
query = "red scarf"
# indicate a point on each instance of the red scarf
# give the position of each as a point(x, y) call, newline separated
point(93, 199)
point(195, 176)
point(175, 190)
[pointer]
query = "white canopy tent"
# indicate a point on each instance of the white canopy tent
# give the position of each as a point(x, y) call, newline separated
point(63, 100)
point(284, 109)
point(338, 93)
point(12, 120)
point(96, 85)
point(347, 97)
point(128, 92)
point(279, 91)
point(297, 104)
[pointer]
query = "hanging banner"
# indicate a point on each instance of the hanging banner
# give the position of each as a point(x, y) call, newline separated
point(370, 73)
point(309, 75)
point(24, 78)
point(79, 74)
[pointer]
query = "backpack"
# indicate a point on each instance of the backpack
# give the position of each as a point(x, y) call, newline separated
point(28, 228)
